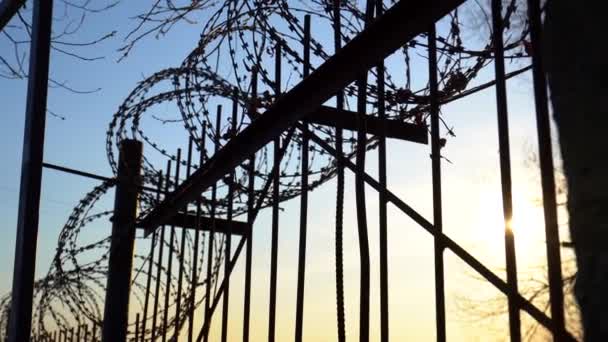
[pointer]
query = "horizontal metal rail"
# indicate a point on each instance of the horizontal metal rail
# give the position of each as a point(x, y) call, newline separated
point(189, 221)
point(389, 128)
point(405, 20)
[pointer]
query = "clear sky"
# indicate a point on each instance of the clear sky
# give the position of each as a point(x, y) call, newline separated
point(472, 206)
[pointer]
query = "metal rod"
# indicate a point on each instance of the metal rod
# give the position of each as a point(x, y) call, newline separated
point(505, 166)
point(545, 155)
point(360, 200)
point(195, 252)
point(274, 242)
point(382, 224)
point(170, 256)
point(31, 169)
point(228, 235)
point(78, 172)
point(250, 219)
point(436, 174)
point(218, 123)
point(94, 332)
point(136, 328)
point(182, 251)
point(116, 309)
point(340, 315)
point(151, 264)
point(160, 259)
point(303, 198)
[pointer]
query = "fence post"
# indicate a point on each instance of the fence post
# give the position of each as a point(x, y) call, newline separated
point(116, 311)
point(20, 321)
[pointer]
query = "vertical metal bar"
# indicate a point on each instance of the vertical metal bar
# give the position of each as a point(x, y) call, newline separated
point(228, 248)
point(250, 219)
point(31, 174)
point(136, 328)
point(170, 256)
point(436, 174)
point(86, 333)
point(160, 258)
point(303, 198)
point(545, 155)
point(340, 190)
point(55, 336)
point(196, 243)
point(182, 251)
point(72, 334)
point(218, 123)
point(94, 332)
point(364, 279)
point(505, 167)
point(275, 211)
point(116, 310)
point(382, 201)
point(78, 332)
point(151, 264)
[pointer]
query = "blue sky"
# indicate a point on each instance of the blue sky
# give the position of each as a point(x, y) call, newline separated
point(473, 178)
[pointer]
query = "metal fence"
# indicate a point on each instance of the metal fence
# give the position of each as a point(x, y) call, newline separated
point(290, 116)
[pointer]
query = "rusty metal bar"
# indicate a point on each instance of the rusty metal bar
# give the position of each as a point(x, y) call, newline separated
point(505, 166)
point(436, 174)
point(404, 20)
point(31, 167)
point(545, 155)
point(303, 198)
point(116, 308)
point(160, 259)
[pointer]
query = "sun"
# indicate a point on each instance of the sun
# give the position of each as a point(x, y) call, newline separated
point(527, 224)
